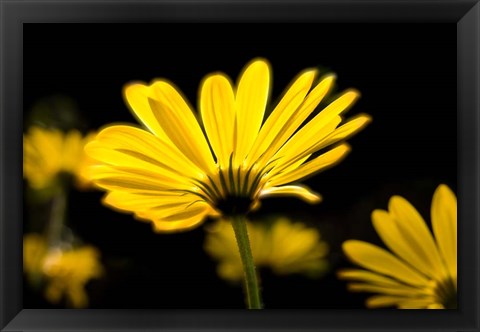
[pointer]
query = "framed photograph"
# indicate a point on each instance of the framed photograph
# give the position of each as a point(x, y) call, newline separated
point(185, 163)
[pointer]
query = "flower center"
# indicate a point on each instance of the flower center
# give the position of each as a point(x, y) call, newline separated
point(447, 293)
point(233, 190)
point(234, 205)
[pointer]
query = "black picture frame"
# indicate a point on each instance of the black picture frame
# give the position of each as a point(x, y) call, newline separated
point(14, 13)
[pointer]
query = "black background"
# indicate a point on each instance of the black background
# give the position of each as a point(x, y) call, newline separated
point(406, 74)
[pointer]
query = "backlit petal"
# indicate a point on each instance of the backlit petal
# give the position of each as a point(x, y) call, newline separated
point(387, 229)
point(142, 202)
point(251, 99)
point(444, 224)
point(133, 179)
point(135, 163)
point(274, 126)
point(130, 143)
point(291, 122)
point(379, 260)
point(72, 150)
point(136, 96)
point(380, 301)
point(296, 191)
point(290, 154)
point(415, 232)
point(320, 163)
point(187, 219)
point(217, 107)
point(367, 277)
point(399, 289)
point(180, 124)
point(314, 131)
point(418, 303)
point(353, 126)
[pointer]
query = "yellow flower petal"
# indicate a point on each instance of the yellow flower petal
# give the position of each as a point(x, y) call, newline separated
point(293, 121)
point(353, 126)
point(295, 151)
point(251, 99)
point(399, 290)
point(180, 125)
point(137, 142)
point(415, 232)
point(49, 143)
point(34, 249)
point(380, 301)
point(444, 224)
point(298, 191)
point(141, 202)
point(134, 180)
point(275, 172)
point(282, 115)
point(124, 162)
point(136, 96)
point(420, 303)
point(313, 131)
point(191, 217)
point(320, 163)
point(217, 107)
point(367, 277)
point(379, 260)
point(72, 143)
point(47, 153)
point(387, 229)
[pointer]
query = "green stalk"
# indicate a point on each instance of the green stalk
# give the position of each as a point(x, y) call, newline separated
point(239, 225)
point(57, 216)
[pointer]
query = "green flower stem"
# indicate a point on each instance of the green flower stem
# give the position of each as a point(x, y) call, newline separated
point(57, 216)
point(239, 225)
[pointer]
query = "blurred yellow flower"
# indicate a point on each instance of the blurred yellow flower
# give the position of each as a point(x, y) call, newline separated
point(49, 152)
point(68, 272)
point(168, 174)
point(285, 247)
point(34, 250)
point(64, 272)
point(421, 271)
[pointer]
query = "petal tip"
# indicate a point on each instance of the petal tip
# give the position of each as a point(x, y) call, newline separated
point(330, 77)
point(394, 201)
point(443, 188)
point(133, 87)
point(366, 118)
point(259, 61)
point(353, 93)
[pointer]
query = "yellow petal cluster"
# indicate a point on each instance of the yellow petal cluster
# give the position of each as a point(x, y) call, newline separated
point(420, 269)
point(284, 246)
point(184, 167)
point(69, 272)
point(34, 250)
point(65, 272)
point(49, 152)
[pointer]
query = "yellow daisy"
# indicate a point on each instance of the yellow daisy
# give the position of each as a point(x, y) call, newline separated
point(284, 246)
point(49, 152)
point(421, 270)
point(68, 272)
point(180, 170)
point(63, 272)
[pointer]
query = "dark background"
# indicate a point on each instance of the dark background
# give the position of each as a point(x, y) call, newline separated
point(405, 72)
